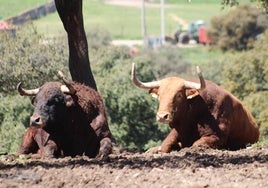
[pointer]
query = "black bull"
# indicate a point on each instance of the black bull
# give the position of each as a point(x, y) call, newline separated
point(68, 120)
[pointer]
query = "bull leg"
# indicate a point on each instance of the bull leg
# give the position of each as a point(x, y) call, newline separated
point(49, 150)
point(212, 141)
point(100, 126)
point(28, 144)
point(171, 141)
point(105, 147)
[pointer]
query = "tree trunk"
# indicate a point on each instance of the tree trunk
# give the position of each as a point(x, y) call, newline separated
point(70, 12)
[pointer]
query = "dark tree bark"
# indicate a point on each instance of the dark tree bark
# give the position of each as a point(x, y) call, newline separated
point(70, 12)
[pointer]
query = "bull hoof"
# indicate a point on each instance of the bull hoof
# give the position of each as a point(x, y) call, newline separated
point(154, 150)
point(104, 153)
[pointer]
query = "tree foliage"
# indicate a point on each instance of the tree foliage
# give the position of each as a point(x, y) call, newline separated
point(246, 76)
point(239, 28)
point(26, 57)
point(263, 3)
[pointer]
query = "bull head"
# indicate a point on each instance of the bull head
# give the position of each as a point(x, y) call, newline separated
point(67, 88)
point(49, 100)
point(171, 93)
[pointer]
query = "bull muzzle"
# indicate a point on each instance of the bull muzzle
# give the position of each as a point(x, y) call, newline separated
point(164, 117)
point(36, 121)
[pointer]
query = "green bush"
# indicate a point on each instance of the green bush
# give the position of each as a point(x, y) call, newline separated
point(98, 37)
point(131, 111)
point(14, 116)
point(262, 3)
point(246, 76)
point(27, 57)
point(164, 61)
point(239, 28)
point(257, 104)
point(247, 71)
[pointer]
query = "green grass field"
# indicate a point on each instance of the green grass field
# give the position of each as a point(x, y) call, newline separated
point(121, 22)
point(125, 22)
point(10, 8)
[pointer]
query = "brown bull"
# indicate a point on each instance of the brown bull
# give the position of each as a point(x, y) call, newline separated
point(69, 119)
point(200, 114)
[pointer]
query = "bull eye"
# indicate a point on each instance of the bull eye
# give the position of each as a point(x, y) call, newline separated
point(55, 101)
point(179, 95)
point(33, 101)
point(154, 95)
point(51, 102)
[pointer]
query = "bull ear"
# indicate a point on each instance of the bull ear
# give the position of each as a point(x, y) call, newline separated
point(154, 93)
point(191, 93)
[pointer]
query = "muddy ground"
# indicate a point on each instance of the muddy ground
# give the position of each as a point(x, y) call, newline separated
point(190, 167)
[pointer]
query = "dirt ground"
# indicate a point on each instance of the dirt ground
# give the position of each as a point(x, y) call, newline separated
point(190, 167)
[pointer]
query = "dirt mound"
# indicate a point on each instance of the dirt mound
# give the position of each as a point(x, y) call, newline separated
point(190, 167)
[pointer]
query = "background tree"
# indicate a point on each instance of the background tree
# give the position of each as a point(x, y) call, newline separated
point(231, 32)
point(70, 12)
point(263, 3)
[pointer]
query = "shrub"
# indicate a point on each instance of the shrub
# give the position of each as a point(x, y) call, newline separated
point(29, 58)
point(131, 111)
point(165, 61)
point(239, 28)
point(257, 104)
point(98, 37)
point(14, 117)
point(247, 72)
point(246, 76)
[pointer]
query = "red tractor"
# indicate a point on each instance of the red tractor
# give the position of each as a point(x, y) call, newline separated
point(196, 31)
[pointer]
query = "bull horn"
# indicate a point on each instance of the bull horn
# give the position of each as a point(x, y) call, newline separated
point(67, 88)
point(26, 92)
point(199, 86)
point(64, 89)
point(147, 85)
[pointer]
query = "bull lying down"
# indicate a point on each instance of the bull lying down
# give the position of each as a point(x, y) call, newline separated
point(69, 119)
point(200, 113)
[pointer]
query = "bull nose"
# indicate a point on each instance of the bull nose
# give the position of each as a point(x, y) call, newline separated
point(36, 120)
point(163, 117)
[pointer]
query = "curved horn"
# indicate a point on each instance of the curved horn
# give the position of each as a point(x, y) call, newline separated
point(26, 92)
point(67, 88)
point(147, 85)
point(64, 89)
point(199, 86)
